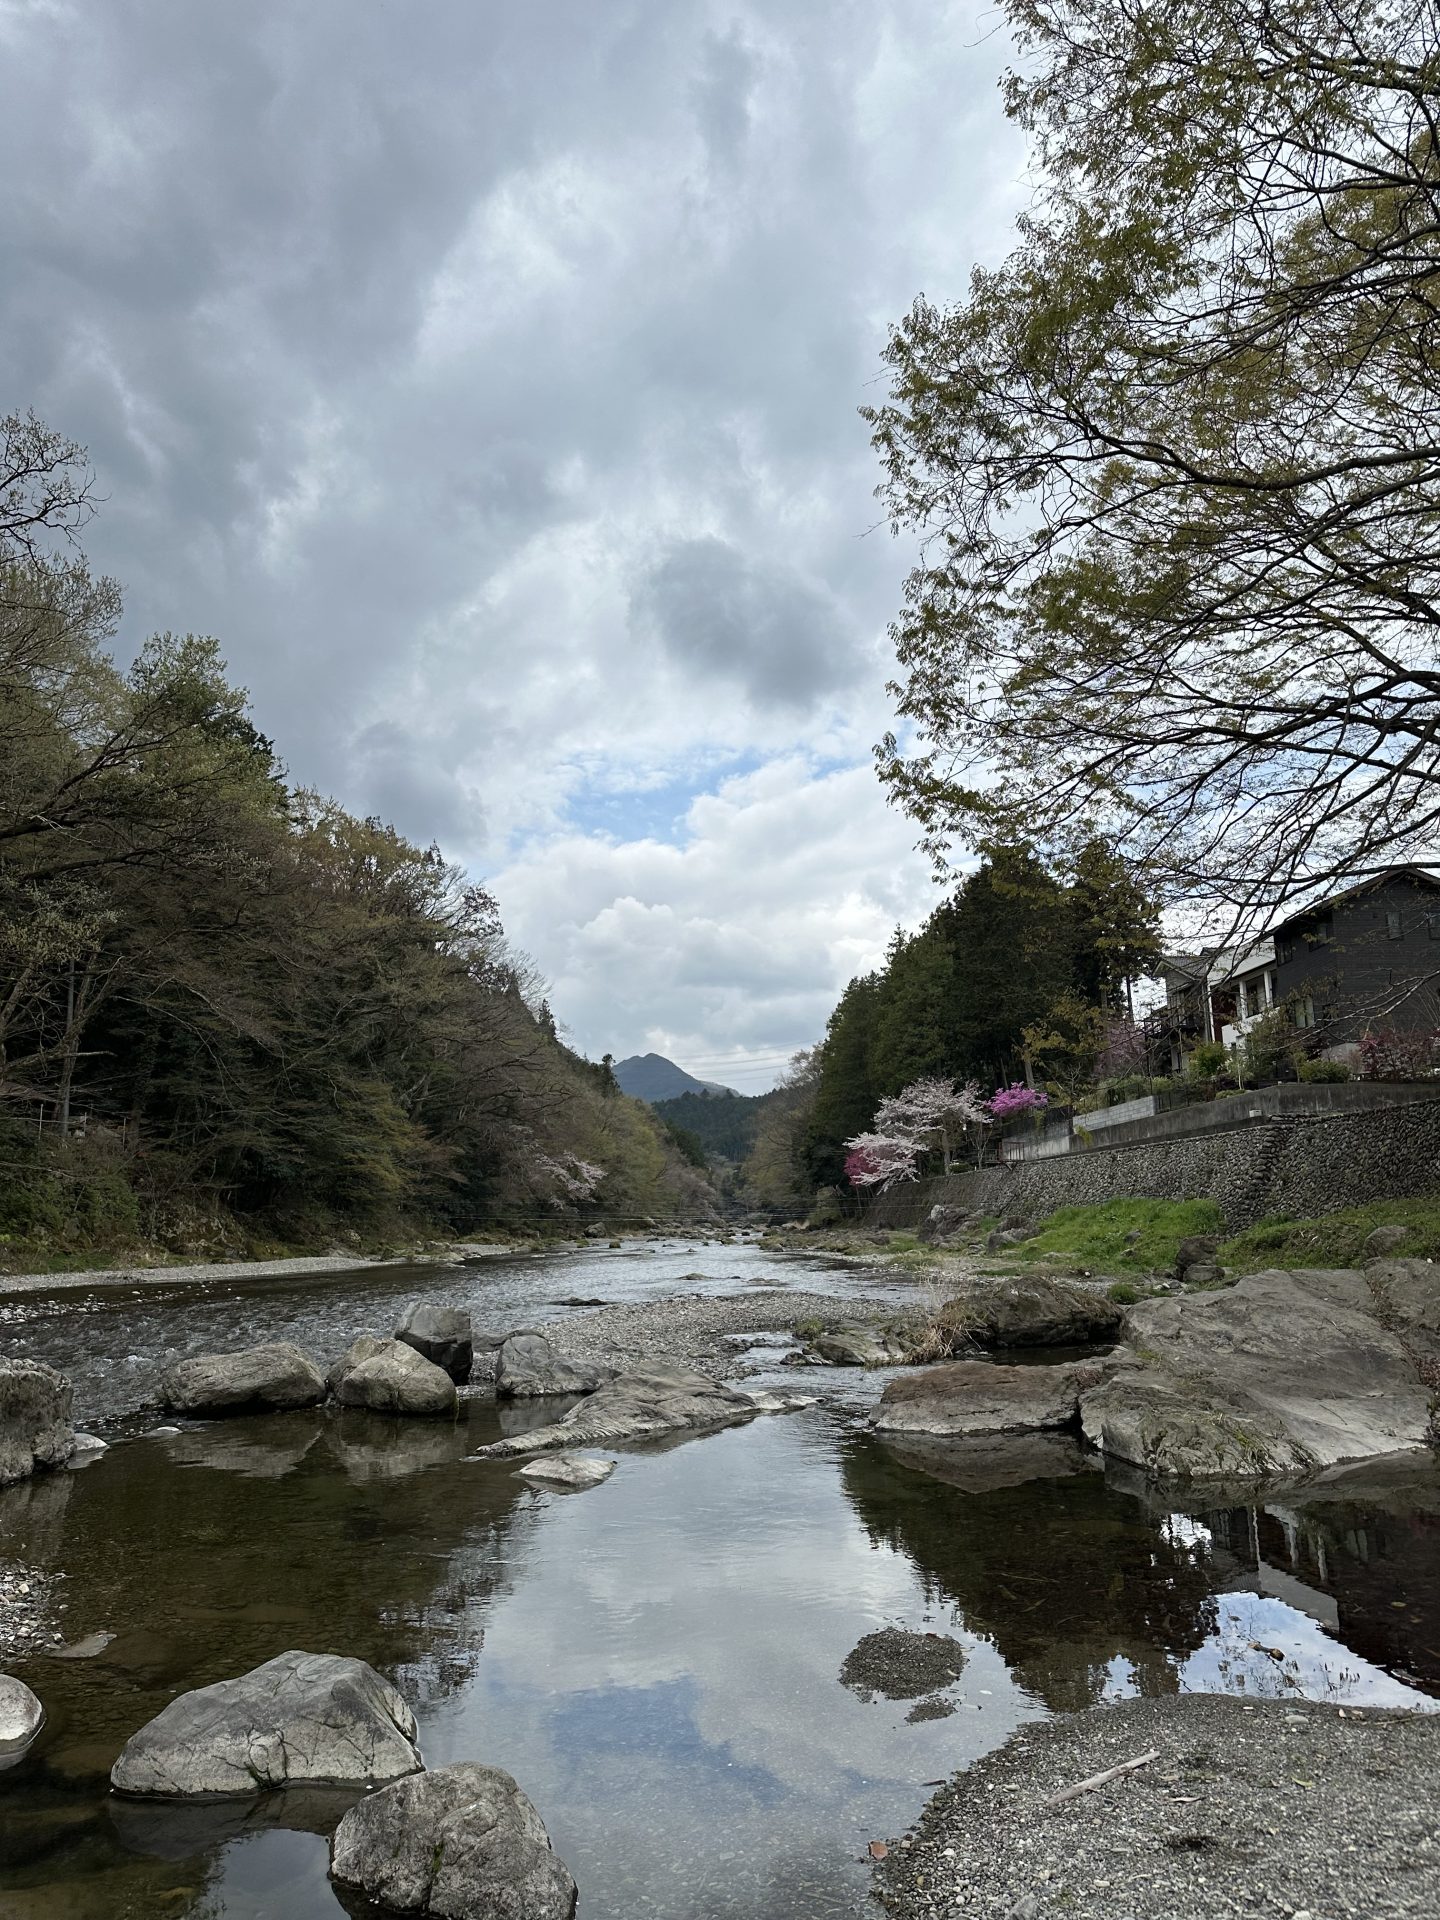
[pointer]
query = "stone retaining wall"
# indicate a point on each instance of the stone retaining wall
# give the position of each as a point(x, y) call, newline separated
point(1294, 1167)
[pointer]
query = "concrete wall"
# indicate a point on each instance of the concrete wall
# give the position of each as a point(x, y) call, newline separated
point(1295, 1166)
point(1295, 1100)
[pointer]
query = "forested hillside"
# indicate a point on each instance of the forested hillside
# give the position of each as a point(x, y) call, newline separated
point(227, 1006)
point(723, 1123)
point(1014, 962)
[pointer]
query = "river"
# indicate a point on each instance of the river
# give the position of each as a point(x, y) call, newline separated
point(656, 1661)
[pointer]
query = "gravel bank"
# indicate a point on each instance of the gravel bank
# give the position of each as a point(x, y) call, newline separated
point(199, 1270)
point(1264, 1808)
point(692, 1329)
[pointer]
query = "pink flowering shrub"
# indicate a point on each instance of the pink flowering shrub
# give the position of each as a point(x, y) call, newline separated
point(1398, 1053)
point(1007, 1102)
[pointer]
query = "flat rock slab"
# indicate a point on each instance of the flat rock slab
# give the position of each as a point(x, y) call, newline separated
point(300, 1719)
point(1264, 1807)
point(1031, 1311)
point(528, 1367)
point(397, 1379)
point(972, 1397)
point(273, 1377)
point(571, 1472)
point(35, 1427)
point(443, 1335)
point(1279, 1375)
point(902, 1665)
point(461, 1843)
point(646, 1401)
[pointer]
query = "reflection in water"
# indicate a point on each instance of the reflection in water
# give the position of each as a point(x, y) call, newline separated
point(657, 1662)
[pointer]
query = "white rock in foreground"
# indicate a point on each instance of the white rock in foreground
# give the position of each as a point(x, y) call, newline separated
point(570, 1471)
point(21, 1717)
point(313, 1718)
point(461, 1843)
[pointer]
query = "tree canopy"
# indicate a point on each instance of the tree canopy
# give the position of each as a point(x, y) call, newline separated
point(1175, 463)
point(262, 1006)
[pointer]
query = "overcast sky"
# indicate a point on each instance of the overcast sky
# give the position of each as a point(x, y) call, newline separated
point(485, 377)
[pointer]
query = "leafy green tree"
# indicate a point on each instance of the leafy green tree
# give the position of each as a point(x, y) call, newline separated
point(1175, 463)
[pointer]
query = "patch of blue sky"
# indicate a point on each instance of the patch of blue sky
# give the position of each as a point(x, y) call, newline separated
point(625, 803)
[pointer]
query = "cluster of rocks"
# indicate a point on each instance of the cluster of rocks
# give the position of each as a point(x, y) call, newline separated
point(994, 1314)
point(460, 1843)
point(1278, 1375)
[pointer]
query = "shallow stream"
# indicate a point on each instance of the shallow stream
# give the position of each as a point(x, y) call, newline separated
point(656, 1661)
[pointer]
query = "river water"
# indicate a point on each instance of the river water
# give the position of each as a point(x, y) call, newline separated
point(656, 1661)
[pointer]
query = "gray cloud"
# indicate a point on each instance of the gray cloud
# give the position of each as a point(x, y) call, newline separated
point(717, 612)
point(486, 375)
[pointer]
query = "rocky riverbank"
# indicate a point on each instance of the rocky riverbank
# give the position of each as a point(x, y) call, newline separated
point(1270, 1807)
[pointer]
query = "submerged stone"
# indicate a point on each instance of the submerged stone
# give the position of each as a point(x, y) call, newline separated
point(35, 1429)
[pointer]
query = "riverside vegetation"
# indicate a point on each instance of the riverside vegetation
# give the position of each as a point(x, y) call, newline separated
point(233, 1016)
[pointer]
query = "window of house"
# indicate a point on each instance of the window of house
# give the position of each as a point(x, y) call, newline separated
point(1434, 923)
point(1323, 931)
point(1305, 1012)
point(1285, 949)
point(1393, 928)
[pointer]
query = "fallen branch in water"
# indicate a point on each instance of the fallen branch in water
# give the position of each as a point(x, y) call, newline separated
point(1099, 1779)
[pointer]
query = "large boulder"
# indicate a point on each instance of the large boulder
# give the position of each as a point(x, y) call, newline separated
point(21, 1717)
point(1031, 1311)
point(852, 1345)
point(443, 1335)
point(529, 1368)
point(1280, 1374)
point(654, 1399)
point(974, 1396)
point(302, 1718)
point(461, 1843)
point(273, 1377)
point(397, 1379)
point(35, 1427)
point(364, 1346)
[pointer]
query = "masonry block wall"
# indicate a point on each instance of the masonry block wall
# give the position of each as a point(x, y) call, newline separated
point(1294, 1167)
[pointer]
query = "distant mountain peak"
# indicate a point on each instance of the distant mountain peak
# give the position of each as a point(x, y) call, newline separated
point(651, 1077)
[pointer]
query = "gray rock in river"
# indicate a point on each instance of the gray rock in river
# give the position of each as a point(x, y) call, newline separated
point(274, 1377)
point(1278, 1375)
point(529, 1368)
point(443, 1335)
point(21, 1717)
point(649, 1400)
point(397, 1379)
point(1407, 1300)
point(301, 1718)
point(851, 1345)
point(1030, 1311)
point(35, 1426)
point(570, 1472)
point(461, 1843)
point(974, 1396)
point(363, 1347)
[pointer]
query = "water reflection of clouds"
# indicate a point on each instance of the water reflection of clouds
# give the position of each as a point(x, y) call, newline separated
point(665, 1678)
point(1264, 1647)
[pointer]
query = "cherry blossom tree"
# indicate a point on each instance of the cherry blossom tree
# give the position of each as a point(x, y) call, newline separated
point(880, 1159)
point(932, 1112)
point(569, 1178)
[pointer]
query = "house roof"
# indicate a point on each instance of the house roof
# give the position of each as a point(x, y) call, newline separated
point(1331, 900)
